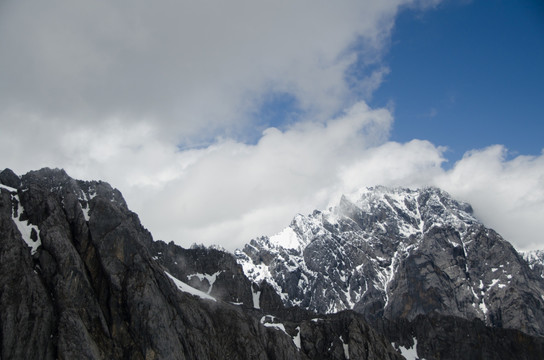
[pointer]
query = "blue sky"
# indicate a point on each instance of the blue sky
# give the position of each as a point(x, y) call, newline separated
point(467, 76)
point(464, 75)
point(221, 120)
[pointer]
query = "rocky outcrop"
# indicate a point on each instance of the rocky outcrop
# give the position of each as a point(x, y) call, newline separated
point(9, 178)
point(80, 277)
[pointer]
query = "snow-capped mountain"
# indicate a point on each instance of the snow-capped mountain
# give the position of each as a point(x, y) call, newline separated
point(535, 259)
point(398, 253)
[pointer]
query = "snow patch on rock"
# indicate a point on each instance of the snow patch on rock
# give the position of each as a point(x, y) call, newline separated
point(189, 289)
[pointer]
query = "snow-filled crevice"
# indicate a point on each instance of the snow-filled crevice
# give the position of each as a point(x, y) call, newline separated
point(210, 278)
point(30, 233)
point(189, 289)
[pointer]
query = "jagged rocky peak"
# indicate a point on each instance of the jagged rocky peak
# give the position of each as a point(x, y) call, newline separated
point(399, 253)
point(404, 212)
point(9, 178)
point(535, 259)
point(534, 256)
point(58, 182)
point(39, 193)
point(379, 211)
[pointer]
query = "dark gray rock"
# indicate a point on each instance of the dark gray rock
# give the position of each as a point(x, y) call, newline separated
point(344, 335)
point(27, 315)
point(435, 336)
point(9, 178)
point(92, 284)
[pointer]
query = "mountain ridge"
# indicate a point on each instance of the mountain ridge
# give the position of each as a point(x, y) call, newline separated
point(90, 282)
point(94, 289)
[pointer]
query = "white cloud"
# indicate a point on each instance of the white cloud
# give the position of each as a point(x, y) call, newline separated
point(507, 194)
point(412, 164)
point(191, 67)
point(109, 90)
point(236, 191)
point(230, 192)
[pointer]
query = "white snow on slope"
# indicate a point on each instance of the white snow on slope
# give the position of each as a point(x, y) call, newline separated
point(265, 321)
point(189, 289)
point(8, 188)
point(256, 298)
point(287, 239)
point(86, 198)
point(410, 353)
point(483, 307)
point(210, 278)
point(277, 326)
point(345, 347)
point(85, 211)
point(25, 227)
point(296, 338)
point(268, 321)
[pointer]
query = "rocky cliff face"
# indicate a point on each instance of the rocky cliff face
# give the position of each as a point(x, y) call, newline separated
point(430, 336)
point(81, 278)
point(397, 254)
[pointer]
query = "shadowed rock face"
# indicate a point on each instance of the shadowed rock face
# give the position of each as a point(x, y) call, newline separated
point(81, 278)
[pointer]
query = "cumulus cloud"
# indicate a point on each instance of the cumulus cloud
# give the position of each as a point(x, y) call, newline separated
point(229, 192)
point(507, 194)
point(237, 191)
point(191, 67)
point(123, 91)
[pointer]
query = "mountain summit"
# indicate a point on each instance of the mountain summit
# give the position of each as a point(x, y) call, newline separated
point(397, 253)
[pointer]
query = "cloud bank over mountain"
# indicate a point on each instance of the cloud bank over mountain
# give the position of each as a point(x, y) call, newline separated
point(196, 69)
point(165, 101)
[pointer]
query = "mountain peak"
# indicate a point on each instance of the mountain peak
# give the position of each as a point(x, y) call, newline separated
point(375, 248)
point(9, 178)
point(379, 211)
